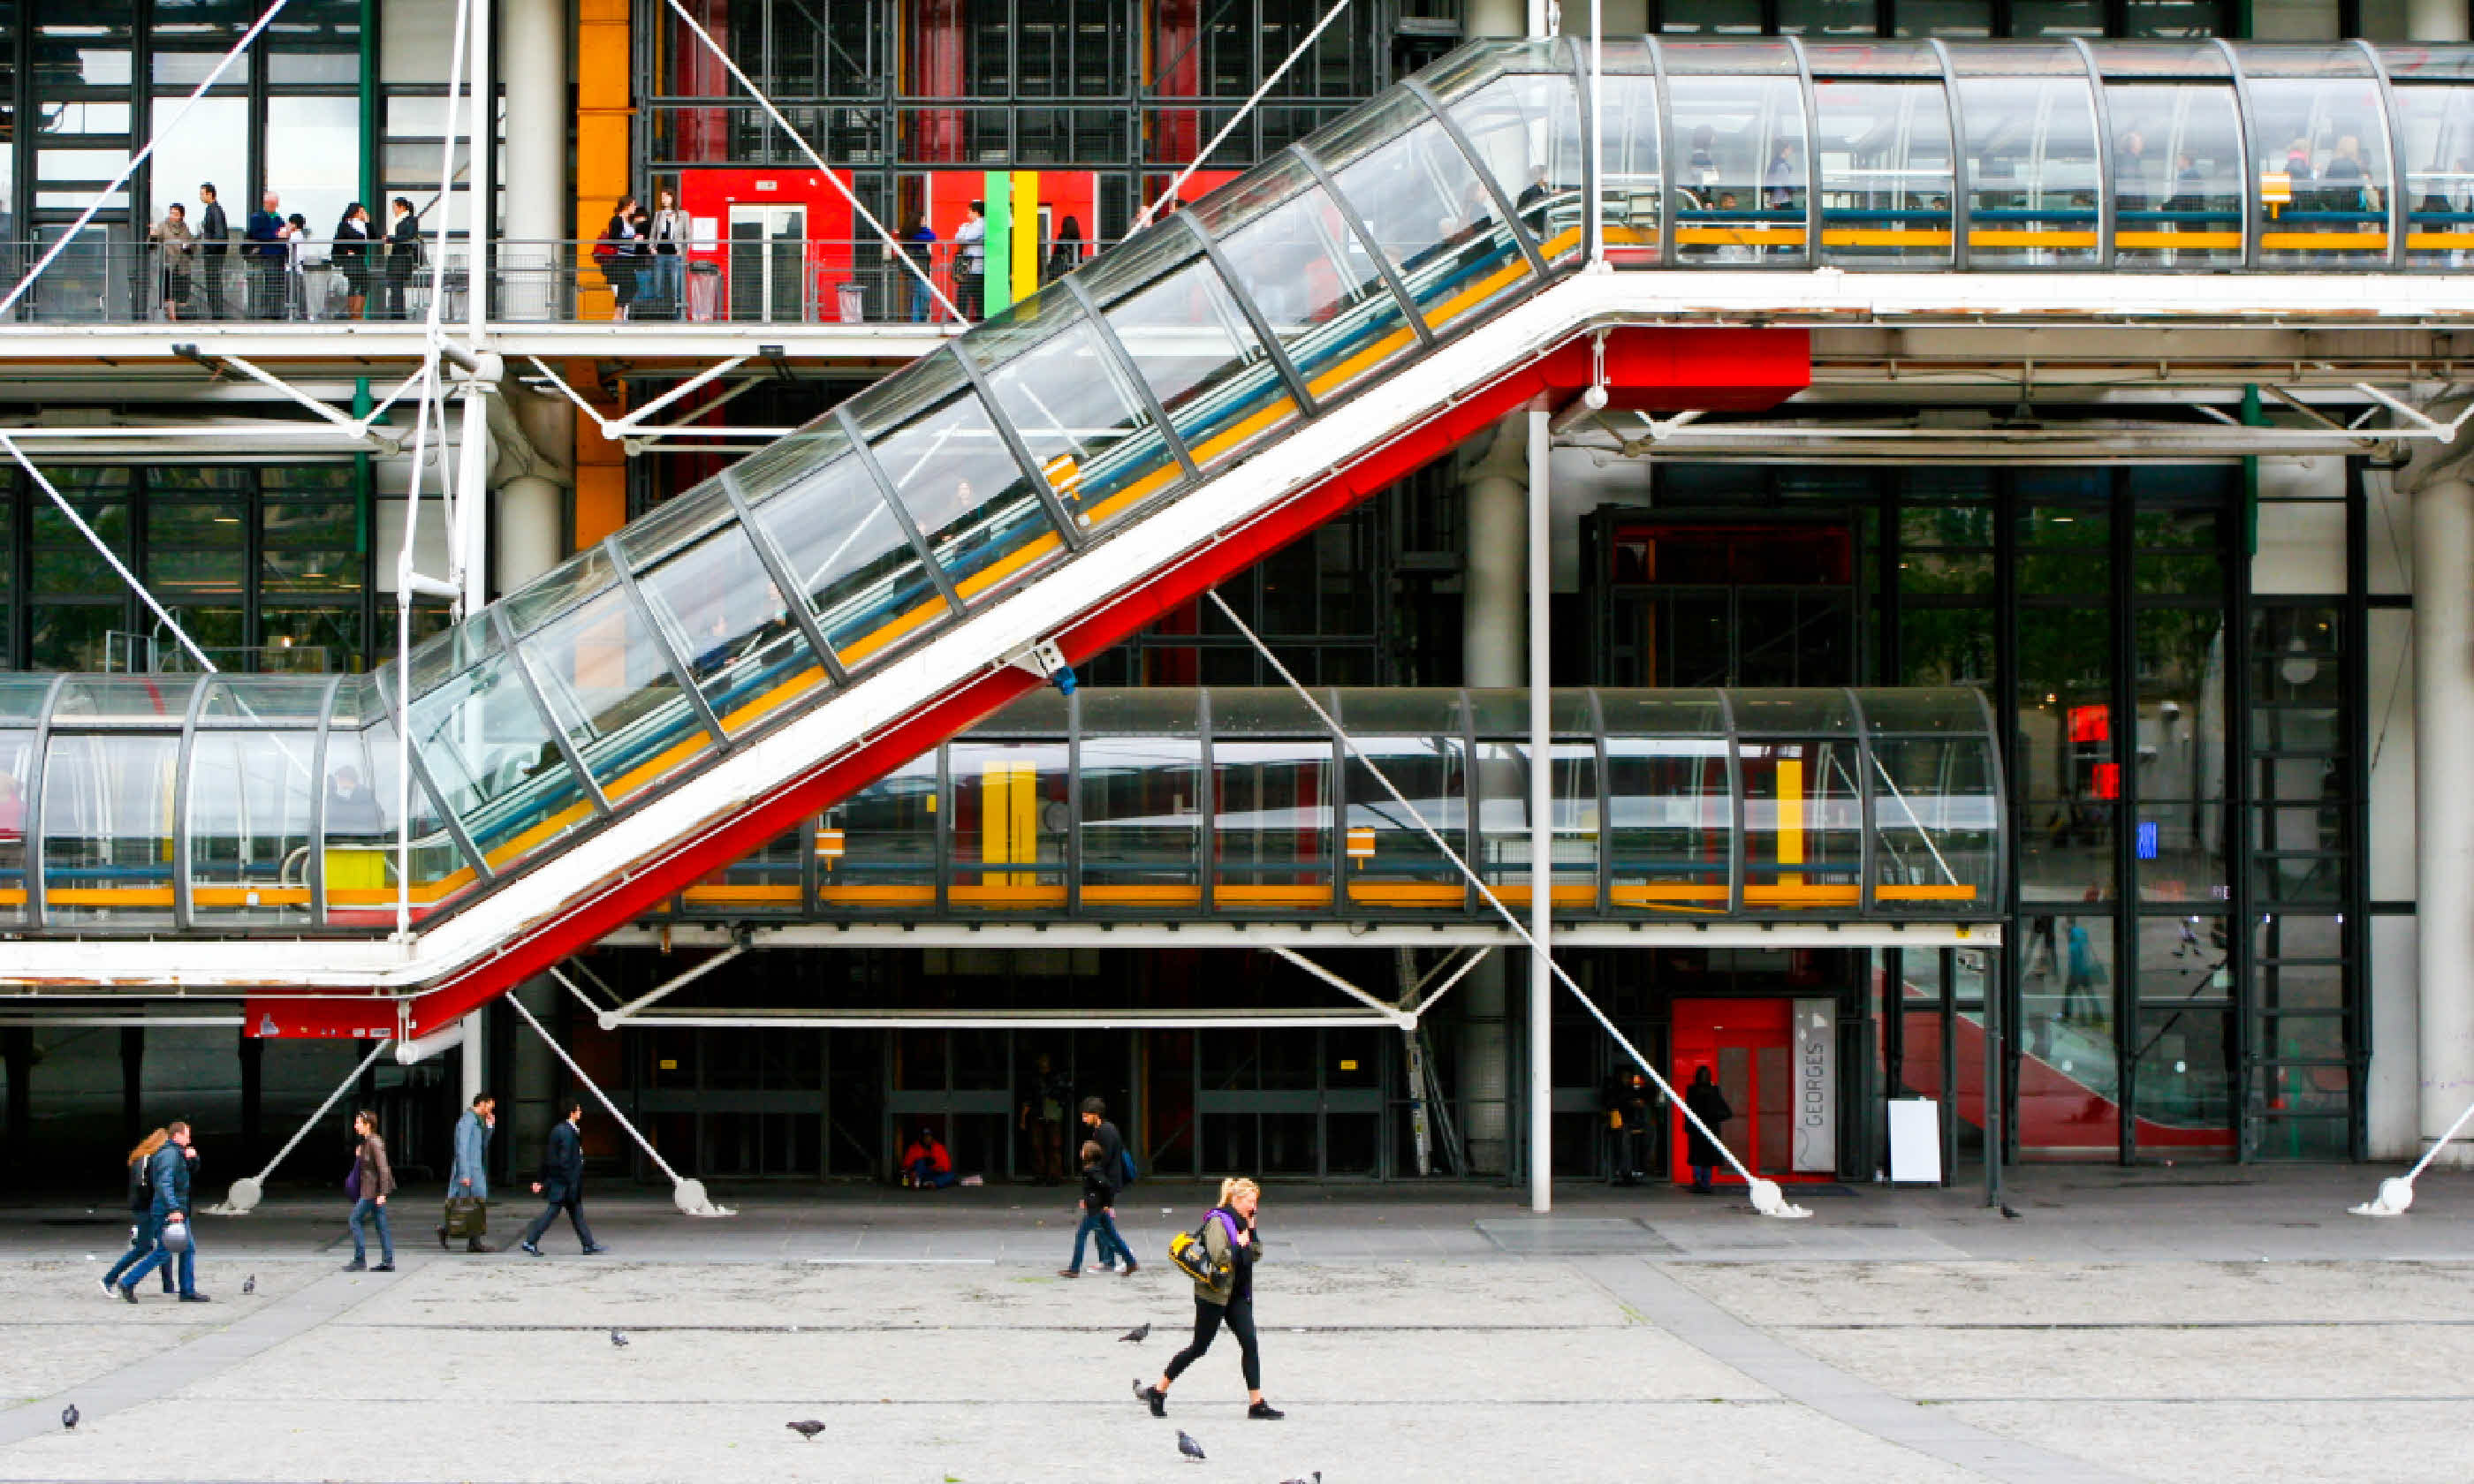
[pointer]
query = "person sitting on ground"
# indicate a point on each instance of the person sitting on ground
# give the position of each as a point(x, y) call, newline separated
point(927, 1164)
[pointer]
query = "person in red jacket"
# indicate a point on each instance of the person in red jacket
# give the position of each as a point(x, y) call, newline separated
point(927, 1164)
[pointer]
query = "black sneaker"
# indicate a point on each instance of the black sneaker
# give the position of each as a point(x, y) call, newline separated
point(356, 1265)
point(195, 1298)
point(595, 1250)
point(383, 1267)
point(442, 1239)
point(1265, 1412)
point(128, 1294)
point(530, 1251)
point(1156, 1397)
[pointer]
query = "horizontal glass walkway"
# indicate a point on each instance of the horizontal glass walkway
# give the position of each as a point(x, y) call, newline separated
point(1239, 804)
point(1068, 468)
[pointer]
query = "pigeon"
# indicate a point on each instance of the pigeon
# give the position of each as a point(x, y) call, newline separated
point(1186, 1445)
point(807, 1429)
point(1135, 1335)
point(618, 1339)
point(2007, 1214)
point(69, 1417)
point(248, 1284)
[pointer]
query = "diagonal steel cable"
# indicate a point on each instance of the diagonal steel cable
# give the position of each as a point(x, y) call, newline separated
point(1771, 1205)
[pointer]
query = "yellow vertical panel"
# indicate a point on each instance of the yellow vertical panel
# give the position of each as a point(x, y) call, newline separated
point(1025, 234)
point(1790, 819)
point(1008, 818)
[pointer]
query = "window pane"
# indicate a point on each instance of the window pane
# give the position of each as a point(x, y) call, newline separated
point(1437, 224)
point(728, 621)
point(249, 795)
point(1323, 295)
point(1885, 172)
point(2185, 1083)
point(490, 752)
point(1084, 427)
point(2322, 146)
point(1739, 169)
point(1185, 334)
point(2031, 163)
point(2177, 174)
point(108, 828)
point(2069, 1087)
point(606, 680)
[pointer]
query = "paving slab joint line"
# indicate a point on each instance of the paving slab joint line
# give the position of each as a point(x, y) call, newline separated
point(218, 1350)
point(1647, 1289)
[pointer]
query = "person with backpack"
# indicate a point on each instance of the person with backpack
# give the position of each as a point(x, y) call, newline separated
point(1114, 1158)
point(1224, 1293)
point(142, 1229)
point(1098, 1215)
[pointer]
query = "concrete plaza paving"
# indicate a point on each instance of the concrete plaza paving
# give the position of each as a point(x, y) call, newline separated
point(2226, 1324)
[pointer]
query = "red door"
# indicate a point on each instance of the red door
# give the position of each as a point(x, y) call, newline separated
point(1748, 1045)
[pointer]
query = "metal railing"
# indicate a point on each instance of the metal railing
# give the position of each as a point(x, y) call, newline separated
point(753, 280)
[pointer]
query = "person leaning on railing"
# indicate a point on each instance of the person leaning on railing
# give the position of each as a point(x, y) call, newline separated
point(175, 246)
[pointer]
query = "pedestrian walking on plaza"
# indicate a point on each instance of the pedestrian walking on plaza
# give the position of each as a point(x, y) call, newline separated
point(1233, 1247)
point(175, 246)
point(1098, 1215)
point(214, 243)
point(1710, 1106)
point(467, 1183)
point(142, 1229)
point(373, 1182)
point(167, 1175)
point(1042, 1116)
point(971, 262)
point(562, 1184)
point(666, 233)
point(403, 256)
point(269, 255)
point(350, 255)
point(1119, 1164)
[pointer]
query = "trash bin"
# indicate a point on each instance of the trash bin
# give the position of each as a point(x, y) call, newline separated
point(852, 302)
point(704, 289)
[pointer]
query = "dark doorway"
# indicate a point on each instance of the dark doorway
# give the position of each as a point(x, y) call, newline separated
point(1719, 602)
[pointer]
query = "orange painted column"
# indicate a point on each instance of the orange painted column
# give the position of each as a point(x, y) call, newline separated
point(604, 107)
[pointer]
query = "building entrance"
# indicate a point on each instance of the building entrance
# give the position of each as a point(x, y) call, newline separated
point(1774, 1059)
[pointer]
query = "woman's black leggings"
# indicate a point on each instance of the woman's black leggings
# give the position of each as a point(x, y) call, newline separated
point(1207, 1315)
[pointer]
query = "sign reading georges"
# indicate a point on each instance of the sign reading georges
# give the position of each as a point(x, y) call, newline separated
point(1816, 1115)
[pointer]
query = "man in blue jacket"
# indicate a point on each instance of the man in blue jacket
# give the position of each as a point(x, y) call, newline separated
point(168, 1173)
point(562, 1184)
point(469, 1179)
point(269, 254)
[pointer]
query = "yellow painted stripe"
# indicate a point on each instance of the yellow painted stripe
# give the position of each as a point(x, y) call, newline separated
point(2324, 242)
point(2027, 237)
point(2147, 239)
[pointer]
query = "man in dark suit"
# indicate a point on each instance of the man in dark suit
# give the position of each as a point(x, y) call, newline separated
point(214, 244)
point(562, 1185)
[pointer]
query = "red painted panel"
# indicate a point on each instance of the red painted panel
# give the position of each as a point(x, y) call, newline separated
point(1761, 356)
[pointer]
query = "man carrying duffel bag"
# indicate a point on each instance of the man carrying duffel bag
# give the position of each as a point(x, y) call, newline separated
point(468, 1186)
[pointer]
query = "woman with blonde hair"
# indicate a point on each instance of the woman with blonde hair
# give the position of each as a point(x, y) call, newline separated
point(141, 1215)
point(1228, 1237)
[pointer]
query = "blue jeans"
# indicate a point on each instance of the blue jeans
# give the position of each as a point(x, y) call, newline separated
point(926, 1174)
point(141, 1243)
point(159, 1258)
point(914, 296)
point(670, 285)
point(1110, 1245)
point(361, 1210)
point(1700, 1176)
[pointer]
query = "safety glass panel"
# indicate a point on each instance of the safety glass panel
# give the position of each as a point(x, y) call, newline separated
point(1141, 821)
point(2177, 174)
point(108, 800)
point(1323, 296)
point(17, 765)
point(1393, 864)
point(1936, 829)
point(1632, 185)
point(2438, 125)
point(2321, 148)
point(1010, 822)
point(1184, 333)
point(1672, 830)
point(1084, 426)
point(1886, 173)
point(732, 627)
point(1271, 846)
point(952, 472)
point(1526, 133)
point(249, 824)
point(876, 851)
point(1804, 839)
point(1739, 170)
point(610, 686)
point(1435, 223)
point(2034, 192)
point(853, 563)
point(490, 751)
